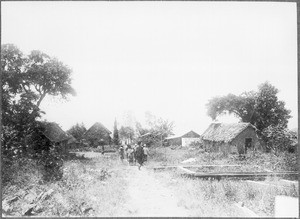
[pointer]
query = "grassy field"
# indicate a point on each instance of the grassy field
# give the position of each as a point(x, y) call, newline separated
point(167, 156)
point(99, 186)
point(89, 187)
point(217, 198)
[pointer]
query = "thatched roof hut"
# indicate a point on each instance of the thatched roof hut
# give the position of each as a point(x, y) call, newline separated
point(222, 132)
point(230, 137)
point(72, 139)
point(97, 133)
point(54, 133)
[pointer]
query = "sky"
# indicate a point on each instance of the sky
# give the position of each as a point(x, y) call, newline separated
point(168, 58)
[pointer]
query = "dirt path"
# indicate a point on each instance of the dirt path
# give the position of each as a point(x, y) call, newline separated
point(148, 198)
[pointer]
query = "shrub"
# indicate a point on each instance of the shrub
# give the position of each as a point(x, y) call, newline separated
point(196, 144)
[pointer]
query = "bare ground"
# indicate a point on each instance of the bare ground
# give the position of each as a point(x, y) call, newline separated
point(147, 197)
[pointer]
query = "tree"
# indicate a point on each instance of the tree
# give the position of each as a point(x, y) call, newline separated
point(77, 131)
point(242, 106)
point(36, 74)
point(269, 110)
point(261, 108)
point(278, 138)
point(46, 75)
point(140, 130)
point(126, 132)
point(158, 130)
point(116, 134)
point(25, 82)
point(19, 112)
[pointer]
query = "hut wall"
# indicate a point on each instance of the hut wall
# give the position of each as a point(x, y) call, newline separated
point(233, 149)
point(187, 141)
point(224, 148)
point(174, 141)
point(239, 141)
point(211, 146)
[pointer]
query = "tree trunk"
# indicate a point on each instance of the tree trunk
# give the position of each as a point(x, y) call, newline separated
point(41, 98)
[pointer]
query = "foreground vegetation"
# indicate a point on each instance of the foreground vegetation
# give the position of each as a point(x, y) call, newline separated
point(218, 198)
point(212, 198)
point(89, 187)
point(284, 161)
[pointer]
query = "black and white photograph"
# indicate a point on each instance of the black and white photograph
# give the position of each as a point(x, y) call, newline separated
point(149, 109)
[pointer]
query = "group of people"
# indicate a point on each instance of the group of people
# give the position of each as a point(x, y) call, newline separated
point(137, 153)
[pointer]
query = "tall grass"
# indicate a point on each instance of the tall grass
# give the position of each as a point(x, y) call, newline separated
point(208, 198)
point(211, 198)
point(89, 187)
point(285, 161)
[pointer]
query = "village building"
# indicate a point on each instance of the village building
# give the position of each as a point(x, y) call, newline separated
point(183, 140)
point(73, 143)
point(54, 135)
point(97, 135)
point(230, 138)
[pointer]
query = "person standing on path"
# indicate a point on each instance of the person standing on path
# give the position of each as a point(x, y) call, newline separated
point(140, 155)
point(121, 152)
point(146, 152)
point(130, 152)
point(134, 147)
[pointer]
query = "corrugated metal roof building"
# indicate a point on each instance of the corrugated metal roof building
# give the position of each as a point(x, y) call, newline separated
point(183, 140)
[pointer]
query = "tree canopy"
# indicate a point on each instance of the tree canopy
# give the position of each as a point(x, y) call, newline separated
point(126, 132)
point(261, 108)
point(77, 131)
point(158, 129)
point(26, 80)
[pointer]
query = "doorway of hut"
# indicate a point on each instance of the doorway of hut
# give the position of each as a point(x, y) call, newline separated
point(248, 144)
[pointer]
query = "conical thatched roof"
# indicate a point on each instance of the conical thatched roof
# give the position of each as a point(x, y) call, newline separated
point(96, 129)
point(53, 132)
point(222, 132)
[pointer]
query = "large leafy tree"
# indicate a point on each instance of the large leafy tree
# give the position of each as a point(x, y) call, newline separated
point(268, 109)
point(19, 112)
point(278, 138)
point(261, 108)
point(46, 75)
point(26, 80)
point(77, 131)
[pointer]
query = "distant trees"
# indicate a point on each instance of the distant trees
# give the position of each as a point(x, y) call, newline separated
point(77, 131)
point(261, 108)
point(126, 132)
point(116, 139)
point(158, 130)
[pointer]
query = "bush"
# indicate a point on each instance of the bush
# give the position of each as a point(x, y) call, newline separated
point(21, 173)
point(278, 138)
point(196, 144)
point(52, 162)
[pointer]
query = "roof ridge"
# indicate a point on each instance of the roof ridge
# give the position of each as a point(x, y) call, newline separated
point(248, 123)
